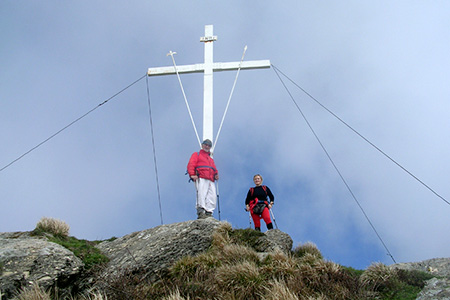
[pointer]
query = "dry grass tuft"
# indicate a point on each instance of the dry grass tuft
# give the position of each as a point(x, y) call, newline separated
point(175, 296)
point(307, 248)
point(276, 290)
point(53, 226)
point(242, 281)
point(194, 268)
point(34, 292)
point(192, 276)
point(221, 235)
point(95, 295)
point(280, 265)
point(234, 254)
point(309, 259)
point(316, 297)
point(377, 277)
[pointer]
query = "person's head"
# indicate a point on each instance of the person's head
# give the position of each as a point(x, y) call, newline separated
point(206, 145)
point(257, 179)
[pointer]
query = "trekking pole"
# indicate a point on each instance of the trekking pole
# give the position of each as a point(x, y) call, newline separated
point(196, 192)
point(196, 197)
point(218, 202)
point(249, 219)
point(273, 217)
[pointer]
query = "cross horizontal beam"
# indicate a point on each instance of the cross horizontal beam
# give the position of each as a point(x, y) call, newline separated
point(217, 67)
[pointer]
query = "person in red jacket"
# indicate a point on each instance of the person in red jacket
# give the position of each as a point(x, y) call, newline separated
point(202, 170)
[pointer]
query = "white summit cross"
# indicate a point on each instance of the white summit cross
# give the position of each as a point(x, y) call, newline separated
point(208, 67)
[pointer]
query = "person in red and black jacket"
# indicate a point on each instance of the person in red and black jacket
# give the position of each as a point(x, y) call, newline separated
point(258, 196)
point(202, 170)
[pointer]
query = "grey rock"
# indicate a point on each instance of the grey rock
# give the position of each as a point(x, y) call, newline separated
point(154, 250)
point(274, 240)
point(27, 260)
point(437, 288)
point(439, 267)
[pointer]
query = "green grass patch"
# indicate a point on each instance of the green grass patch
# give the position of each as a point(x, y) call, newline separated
point(401, 291)
point(85, 250)
point(246, 237)
point(413, 277)
point(352, 272)
point(407, 284)
point(394, 283)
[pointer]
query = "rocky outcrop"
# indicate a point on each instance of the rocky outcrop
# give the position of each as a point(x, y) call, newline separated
point(153, 250)
point(437, 288)
point(27, 260)
point(439, 267)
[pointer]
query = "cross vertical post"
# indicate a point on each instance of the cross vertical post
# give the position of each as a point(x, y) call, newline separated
point(208, 39)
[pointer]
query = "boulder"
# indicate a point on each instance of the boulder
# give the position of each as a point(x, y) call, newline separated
point(26, 260)
point(152, 251)
point(274, 240)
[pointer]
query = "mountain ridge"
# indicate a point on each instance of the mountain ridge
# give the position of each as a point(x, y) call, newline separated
point(151, 254)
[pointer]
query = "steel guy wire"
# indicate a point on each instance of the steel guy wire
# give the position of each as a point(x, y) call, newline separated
point(154, 151)
point(335, 167)
point(70, 124)
point(229, 99)
point(184, 95)
point(364, 138)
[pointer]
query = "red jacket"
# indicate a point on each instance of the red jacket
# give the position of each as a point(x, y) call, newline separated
point(202, 165)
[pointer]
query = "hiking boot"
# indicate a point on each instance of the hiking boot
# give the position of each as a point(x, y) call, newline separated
point(208, 214)
point(201, 213)
point(201, 216)
point(257, 229)
point(269, 226)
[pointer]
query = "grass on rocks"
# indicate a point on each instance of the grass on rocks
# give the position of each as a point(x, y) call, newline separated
point(232, 270)
point(57, 231)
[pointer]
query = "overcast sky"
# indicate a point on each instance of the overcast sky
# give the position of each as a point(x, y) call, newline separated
point(382, 67)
